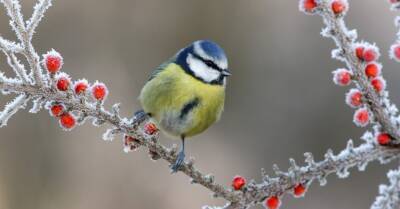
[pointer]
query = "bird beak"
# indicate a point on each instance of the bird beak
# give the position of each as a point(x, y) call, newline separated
point(226, 72)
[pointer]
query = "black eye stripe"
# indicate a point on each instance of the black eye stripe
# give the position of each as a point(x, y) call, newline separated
point(212, 65)
point(209, 63)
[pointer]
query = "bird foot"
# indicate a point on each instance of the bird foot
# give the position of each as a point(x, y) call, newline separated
point(139, 117)
point(178, 162)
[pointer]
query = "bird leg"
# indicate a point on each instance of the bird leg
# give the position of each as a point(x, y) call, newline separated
point(179, 158)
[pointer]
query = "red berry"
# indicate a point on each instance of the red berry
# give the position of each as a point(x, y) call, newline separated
point(342, 77)
point(128, 140)
point(299, 190)
point(53, 61)
point(395, 52)
point(80, 87)
point(370, 54)
point(272, 202)
point(379, 84)
point(130, 143)
point(57, 110)
point(150, 128)
point(354, 98)
point(67, 121)
point(309, 5)
point(238, 182)
point(383, 138)
point(99, 91)
point(63, 83)
point(361, 117)
point(359, 51)
point(372, 70)
point(338, 6)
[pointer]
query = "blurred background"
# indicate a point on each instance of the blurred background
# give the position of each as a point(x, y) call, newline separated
point(281, 102)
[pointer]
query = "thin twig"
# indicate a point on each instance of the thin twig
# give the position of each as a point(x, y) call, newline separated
point(389, 195)
point(10, 46)
point(38, 13)
point(12, 107)
point(14, 11)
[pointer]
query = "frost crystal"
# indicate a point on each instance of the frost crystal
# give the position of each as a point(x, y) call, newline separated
point(110, 134)
point(37, 105)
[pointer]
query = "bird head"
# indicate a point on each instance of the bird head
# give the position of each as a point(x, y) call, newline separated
point(206, 61)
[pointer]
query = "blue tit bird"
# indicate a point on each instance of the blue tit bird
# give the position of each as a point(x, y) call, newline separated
point(186, 94)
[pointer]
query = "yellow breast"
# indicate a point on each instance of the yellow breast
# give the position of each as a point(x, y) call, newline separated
point(166, 95)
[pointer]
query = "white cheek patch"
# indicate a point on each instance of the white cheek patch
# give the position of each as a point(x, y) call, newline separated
point(201, 70)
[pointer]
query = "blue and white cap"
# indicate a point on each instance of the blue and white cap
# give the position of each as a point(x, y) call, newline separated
point(206, 61)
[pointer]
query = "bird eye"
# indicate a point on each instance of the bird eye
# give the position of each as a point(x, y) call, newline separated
point(211, 64)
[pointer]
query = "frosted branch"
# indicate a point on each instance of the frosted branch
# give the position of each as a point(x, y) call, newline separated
point(389, 195)
point(285, 182)
point(394, 51)
point(9, 46)
point(73, 103)
point(38, 13)
point(17, 23)
point(12, 107)
point(124, 126)
point(18, 68)
point(345, 40)
point(254, 193)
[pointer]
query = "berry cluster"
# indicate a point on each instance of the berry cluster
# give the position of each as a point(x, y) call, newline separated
point(92, 94)
point(81, 89)
point(367, 56)
point(338, 7)
point(272, 202)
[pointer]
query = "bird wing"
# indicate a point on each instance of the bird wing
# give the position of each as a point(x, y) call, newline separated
point(161, 67)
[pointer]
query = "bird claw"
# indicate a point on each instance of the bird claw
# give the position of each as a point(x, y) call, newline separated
point(178, 162)
point(139, 117)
